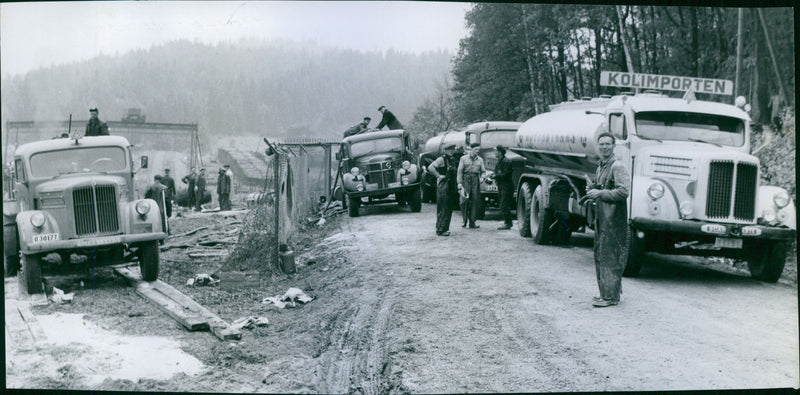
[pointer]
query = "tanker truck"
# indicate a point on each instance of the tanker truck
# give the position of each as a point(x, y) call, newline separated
point(695, 188)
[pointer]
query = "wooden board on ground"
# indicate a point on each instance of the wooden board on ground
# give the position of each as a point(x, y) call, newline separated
point(182, 308)
point(23, 332)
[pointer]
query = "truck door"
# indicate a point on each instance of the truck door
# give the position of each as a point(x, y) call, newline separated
point(618, 126)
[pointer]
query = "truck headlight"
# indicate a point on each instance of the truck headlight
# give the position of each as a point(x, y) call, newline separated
point(404, 180)
point(142, 207)
point(687, 209)
point(781, 199)
point(359, 187)
point(656, 191)
point(769, 215)
point(37, 220)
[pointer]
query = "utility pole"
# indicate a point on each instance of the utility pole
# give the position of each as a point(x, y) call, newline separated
point(739, 33)
point(772, 56)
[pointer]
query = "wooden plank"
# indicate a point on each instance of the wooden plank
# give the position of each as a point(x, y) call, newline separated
point(17, 330)
point(36, 331)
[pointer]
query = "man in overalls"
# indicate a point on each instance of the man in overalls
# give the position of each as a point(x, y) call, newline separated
point(470, 171)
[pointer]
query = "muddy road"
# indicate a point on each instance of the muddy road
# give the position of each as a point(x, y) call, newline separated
point(398, 309)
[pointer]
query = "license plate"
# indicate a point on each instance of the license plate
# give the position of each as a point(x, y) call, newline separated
point(45, 237)
point(491, 188)
point(394, 184)
point(727, 242)
point(99, 241)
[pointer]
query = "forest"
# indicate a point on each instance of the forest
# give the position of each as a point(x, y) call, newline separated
point(519, 58)
point(516, 59)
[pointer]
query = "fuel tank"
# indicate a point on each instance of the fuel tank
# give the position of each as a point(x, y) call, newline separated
point(564, 131)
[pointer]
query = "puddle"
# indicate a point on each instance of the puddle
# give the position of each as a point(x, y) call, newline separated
point(92, 354)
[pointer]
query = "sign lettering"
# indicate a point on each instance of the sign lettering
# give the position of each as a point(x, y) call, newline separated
point(666, 82)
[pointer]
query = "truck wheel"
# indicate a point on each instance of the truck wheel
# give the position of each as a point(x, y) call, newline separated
point(148, 260)
point(12, 265)
point(415, 201)
point(633, 265)
point(524, 210)
point(32, 270)
point(352, 207)
point(481, 214)
point(767, 264)
point(541, 219)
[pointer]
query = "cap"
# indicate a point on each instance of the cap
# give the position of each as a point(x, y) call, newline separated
point(226, 166)
point(93, 110)
point(367, 118)
point(381, 108)
point(157, 177)
point(459, 148)
point(166, 170)
point(501, 148)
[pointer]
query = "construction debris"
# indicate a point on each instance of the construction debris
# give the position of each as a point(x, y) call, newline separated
point(203, 279)
point(59, 296)
point(290, 298)
point(250, 322)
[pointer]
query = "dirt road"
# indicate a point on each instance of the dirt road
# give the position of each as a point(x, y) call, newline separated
point(398, 309)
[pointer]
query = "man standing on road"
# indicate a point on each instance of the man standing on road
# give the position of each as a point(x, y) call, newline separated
point(443, 168)
point(200, 189)
point(157, 192)
point(170, 184)
point(95, 127)
point(610, 192)
point(190, 180)
point(502, 176)
point(358, 128)
point(224, 190)
point(388, 119)
point(470, 171)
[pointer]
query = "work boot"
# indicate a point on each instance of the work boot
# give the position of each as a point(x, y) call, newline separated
point(504, 227)
point(474, 226)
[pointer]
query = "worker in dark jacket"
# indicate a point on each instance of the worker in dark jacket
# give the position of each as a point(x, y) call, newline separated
point(388, 120)
point(502, 176)
point(200, 188)
point(190, 180)
point(224, 189)
point(168, 182)
point(357, 128)
point(444, 169)
point(158, 192)
point(95, 127)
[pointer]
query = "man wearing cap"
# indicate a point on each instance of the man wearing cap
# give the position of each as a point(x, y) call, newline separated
point(158, 192)
point(95, 127)
point(444, 169)
point(224, 189)
point(388, 119)
point(199, 189)
point(358, 128)
point(502, 176)
point(170, 184)
point(190, 180)
point(470, 171)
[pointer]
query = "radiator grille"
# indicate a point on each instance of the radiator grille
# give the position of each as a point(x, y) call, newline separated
point(724, 190)
point(381, 173)
point(95, 209)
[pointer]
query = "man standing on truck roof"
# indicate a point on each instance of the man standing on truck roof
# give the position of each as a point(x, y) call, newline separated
point(444, 169)
point(388, 120)
point(470, 171)
point(610, 192)
point(502, 176)
point(95, 127)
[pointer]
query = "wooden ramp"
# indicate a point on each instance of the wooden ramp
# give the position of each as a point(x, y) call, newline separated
point(182, 308)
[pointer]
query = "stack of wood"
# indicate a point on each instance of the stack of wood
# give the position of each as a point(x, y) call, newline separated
point(204, 241)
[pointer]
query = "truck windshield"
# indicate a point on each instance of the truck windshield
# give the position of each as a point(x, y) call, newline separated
point(687, 126)
point(368, 147)
point(78, 160)
point(502, 137)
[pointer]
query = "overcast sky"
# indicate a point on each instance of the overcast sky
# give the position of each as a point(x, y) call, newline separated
point(34, 35)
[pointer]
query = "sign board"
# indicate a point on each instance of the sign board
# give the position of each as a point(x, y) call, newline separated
point(666, 82)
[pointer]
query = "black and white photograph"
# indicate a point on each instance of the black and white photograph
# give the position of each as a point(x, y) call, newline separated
point(391, 197)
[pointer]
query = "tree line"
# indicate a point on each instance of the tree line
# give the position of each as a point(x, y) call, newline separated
point(519, 58)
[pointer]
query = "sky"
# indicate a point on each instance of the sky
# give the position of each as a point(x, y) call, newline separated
point(43, 34)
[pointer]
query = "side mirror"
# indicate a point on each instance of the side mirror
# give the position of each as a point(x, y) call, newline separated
point(143, 162)
point(339, 155)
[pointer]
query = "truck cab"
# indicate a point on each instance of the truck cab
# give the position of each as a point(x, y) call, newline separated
point(379, 166)
point(77, 196)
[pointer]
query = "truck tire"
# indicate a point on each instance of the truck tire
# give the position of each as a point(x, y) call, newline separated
point(32, 270)
point(11, 265)
point(633, 265)
point(148, 260)
point(524, 209)
point(481, 213)
point(541, 218)
point(766, 264)
point(353, 205)
point(415, 201)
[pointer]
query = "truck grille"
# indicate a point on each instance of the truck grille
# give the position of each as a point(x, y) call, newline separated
point(381, 173)
point(95, 209)
point(722, 187)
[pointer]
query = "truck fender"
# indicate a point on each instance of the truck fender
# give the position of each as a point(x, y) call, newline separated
point(133, 219)
point(765, 202)
point(412, 174)
point(642, 206)
point(349, 184)
point(26, 230)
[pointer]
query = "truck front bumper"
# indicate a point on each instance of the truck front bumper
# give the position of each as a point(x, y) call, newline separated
point(384, 191)
point(86, 243)
point(702, 228)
